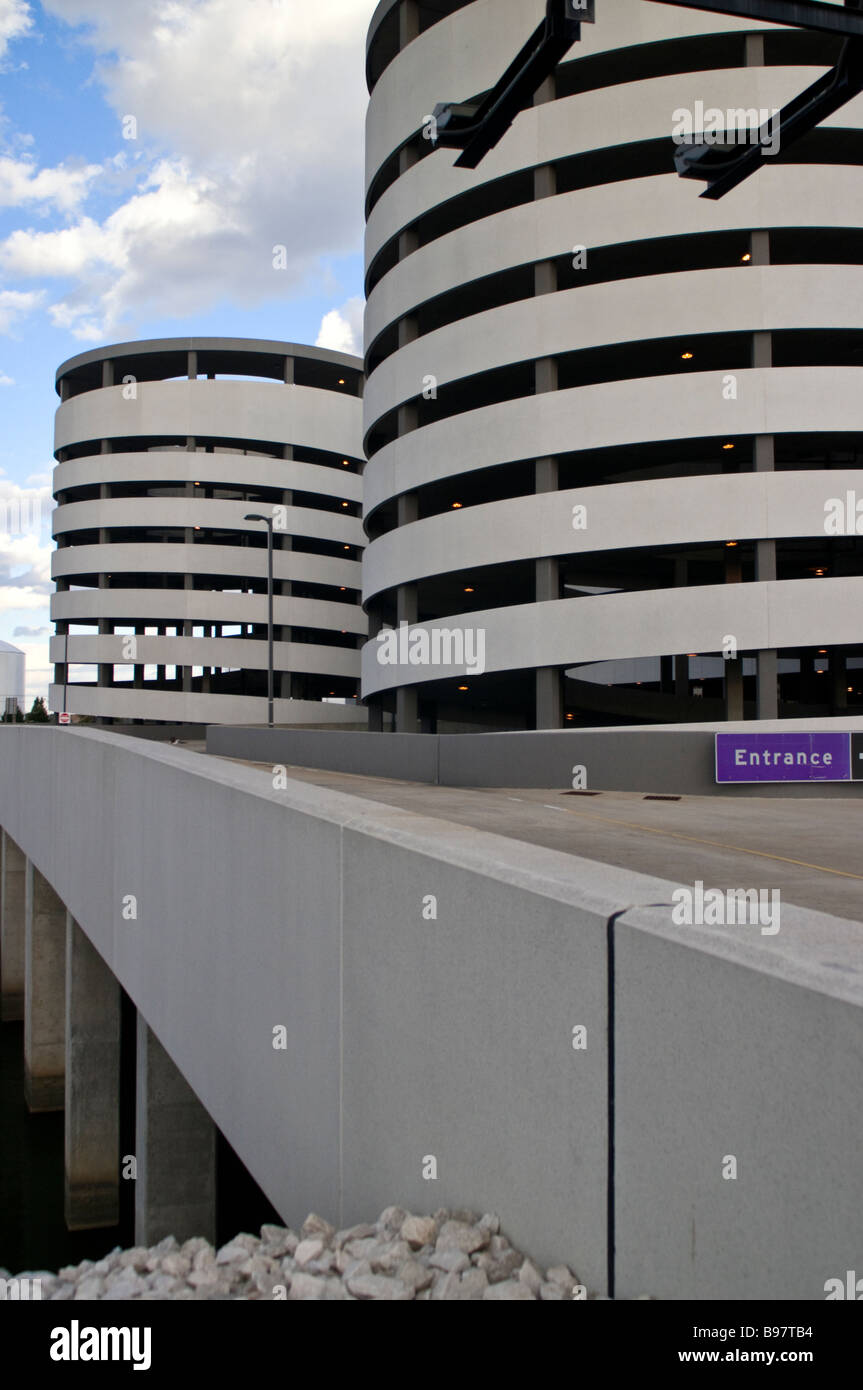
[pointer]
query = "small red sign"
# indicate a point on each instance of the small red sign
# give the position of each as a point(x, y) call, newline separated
point(65, 719)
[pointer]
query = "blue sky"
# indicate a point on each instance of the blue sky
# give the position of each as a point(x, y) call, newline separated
point(247, 123)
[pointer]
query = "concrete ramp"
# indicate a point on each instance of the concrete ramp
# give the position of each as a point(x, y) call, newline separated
point(376, 1007)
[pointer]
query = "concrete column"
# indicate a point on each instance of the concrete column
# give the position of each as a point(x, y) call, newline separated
point(44, 993)
point(549, 698)
point(409, 22)
point(192, 365)
point(175, 1148)
point(407, 696)
point(12, 907)
point(768, 685)
point(838, 678)
point(92, 1183)
point(733, 669)
point(681, 677)
point(734, 689)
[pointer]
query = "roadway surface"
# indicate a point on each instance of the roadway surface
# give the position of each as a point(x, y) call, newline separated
point(811, 850)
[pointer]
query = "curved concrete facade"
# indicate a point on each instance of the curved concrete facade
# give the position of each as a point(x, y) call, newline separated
point(587, 383)
point(162, 449)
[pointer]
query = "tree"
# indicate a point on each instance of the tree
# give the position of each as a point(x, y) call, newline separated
point(38, 714)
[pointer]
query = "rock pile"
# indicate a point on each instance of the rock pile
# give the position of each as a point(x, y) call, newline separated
point(453, 1255)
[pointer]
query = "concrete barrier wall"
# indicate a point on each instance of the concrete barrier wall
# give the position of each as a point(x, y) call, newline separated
point(429, 978)
point(412, 757)
point(665, 761)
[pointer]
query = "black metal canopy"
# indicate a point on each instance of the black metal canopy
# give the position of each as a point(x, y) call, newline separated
point(476, 129)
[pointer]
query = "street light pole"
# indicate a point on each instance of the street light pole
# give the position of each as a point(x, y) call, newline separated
point(268, 522)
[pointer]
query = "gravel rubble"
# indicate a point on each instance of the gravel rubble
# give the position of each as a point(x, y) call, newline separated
point(448, 1257)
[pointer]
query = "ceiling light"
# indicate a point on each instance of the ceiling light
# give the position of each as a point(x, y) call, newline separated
point(729, 544)
point(747, 256)
point(728, 446)
point(345, 547)
point(469, 591)
point(464, 687)
point(341, 381)
point(686, 356)
point(346, 462)
point(344, 504)
point(456, 505)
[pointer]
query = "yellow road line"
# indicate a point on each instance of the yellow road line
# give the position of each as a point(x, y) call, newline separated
point(716, 844)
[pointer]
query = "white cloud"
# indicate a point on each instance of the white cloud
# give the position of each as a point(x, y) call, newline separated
point(63, 188)
point(342, 329)
point(6, 380)
point(249, 136)
point(15, 304)
point(15, 20)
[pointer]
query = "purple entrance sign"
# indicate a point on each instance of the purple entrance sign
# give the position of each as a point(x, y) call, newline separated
point(791, 757)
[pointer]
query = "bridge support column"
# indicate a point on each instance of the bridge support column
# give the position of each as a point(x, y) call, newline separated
point(44, 994)
point(175, 1145)
point(12, 863)
point(92, 1184)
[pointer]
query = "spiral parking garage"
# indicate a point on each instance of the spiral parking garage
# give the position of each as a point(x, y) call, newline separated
point(607, 422)
point(162, 450)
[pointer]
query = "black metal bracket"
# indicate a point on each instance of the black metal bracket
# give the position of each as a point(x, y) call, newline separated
point(476, 128)
point(801, 14)
point(724, 168)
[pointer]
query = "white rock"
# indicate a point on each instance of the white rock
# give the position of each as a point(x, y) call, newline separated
point(530, 1275)
point(362, 1232)
point(90, 1287)
point(552, 1293)
point(451, 1261)
point(419, 1231)
point(469, 1286)
point(458, 1235)
point(278, 1241)
point(308, 1250)
point(415, 1275)
point(559, 1274)
point(379, 1287)
point(510, 1291)
point(392, 1219)
point(231, 1254)
point(136, 1258)
point(387, 1258)
point(316, 1226)
point(307, 1288)
point(498, 1267)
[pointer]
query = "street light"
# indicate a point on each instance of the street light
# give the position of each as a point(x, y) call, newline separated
point(268, 522)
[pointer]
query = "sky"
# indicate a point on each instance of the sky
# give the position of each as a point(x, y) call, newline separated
point(153, 153)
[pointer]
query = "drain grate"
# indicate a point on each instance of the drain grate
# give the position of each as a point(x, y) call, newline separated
point(662, 798)
point(581, 793)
